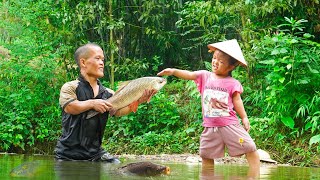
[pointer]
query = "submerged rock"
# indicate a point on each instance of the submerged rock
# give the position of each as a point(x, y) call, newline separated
point(27, 169)
point(144, 169)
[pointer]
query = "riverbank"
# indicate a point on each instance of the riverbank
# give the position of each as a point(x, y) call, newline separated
point(191, 158)
point(181, 158)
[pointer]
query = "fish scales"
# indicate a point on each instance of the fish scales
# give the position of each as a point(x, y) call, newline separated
point(131, 92)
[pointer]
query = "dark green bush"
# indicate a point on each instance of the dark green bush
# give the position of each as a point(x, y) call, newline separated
point(29, 98)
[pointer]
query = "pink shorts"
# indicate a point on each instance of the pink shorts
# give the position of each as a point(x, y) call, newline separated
point(213, 141)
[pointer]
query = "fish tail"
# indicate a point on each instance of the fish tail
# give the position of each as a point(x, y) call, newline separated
point(91, 113)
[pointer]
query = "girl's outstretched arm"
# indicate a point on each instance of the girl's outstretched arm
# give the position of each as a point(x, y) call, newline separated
point(179, 73)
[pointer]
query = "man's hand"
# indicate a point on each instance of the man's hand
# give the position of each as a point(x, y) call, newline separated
point(146, 96)
point(246, 124)
point(101, 105)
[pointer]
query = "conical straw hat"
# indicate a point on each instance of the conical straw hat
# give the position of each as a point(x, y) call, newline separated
point(230, 47)
point(264, 156)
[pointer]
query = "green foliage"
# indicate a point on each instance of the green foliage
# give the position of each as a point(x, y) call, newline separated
point(162, 126)
point(200, 22)
point(156, 143)
point(133, 68)
point(142, 31)
point(287, 71)
point(315, 139)
point(268, 135)
point(159, 115)
point(29, 80)
point(27, 112)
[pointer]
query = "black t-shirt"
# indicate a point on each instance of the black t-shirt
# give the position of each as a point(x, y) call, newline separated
point(81, 138)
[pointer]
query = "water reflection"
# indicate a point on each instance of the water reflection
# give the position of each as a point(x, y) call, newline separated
point(266, 171)
point(48, 169)
point(232, 172)
point(224, 172)
point(77, 170)
point(207, 173)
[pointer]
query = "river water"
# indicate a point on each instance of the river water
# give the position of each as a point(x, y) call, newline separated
point(18, 167)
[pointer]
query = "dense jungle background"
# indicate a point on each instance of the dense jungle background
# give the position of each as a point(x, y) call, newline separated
point(279, 38)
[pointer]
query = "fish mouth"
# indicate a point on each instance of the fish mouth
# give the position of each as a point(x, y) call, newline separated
point(167, 171)
point(163, 81)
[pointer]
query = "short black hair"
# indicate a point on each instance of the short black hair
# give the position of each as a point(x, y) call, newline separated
point(232, 61)
point(84, 52)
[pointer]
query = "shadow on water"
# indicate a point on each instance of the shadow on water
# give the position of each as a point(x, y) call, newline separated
point(17, 167)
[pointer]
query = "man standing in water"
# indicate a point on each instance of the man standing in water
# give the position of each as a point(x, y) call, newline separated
point(81, 138)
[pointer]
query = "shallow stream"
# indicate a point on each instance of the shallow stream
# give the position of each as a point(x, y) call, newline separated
point(17, 167)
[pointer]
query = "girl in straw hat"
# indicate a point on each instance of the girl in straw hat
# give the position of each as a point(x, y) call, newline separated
point(221, 102)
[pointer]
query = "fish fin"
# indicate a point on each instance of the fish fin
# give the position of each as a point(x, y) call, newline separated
point(112, 112)
point(153, 93)
point(121, 85)
point(134, 106)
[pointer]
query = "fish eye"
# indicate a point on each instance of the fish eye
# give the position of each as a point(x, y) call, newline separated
point(167, 170)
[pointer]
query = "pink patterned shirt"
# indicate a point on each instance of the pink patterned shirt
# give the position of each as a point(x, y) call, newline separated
point(216, 97)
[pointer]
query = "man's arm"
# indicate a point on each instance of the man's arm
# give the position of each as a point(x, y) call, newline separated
point(76, 107)
point(71, 105)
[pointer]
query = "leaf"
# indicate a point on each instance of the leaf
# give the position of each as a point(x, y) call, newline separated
point(283, 51)
point(305, 80)
point(275, 52)
point(190, 130)
point(314, 139)
point(288, 121)
point(267, 62)
point(307, 35)
point(314, 71)
point(202, 21)
point(282, 79)
point(293, 41)
point(308, 126)
point(289, 66)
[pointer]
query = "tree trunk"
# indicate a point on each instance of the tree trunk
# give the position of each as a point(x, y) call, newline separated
point(5, 11)
point(111, 48)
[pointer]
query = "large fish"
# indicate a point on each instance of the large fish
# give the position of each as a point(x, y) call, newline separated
point(129, 93)
point(145, 169)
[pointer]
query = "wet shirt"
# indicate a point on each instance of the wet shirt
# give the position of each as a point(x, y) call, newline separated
point(216, 99)
point(81, 138)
